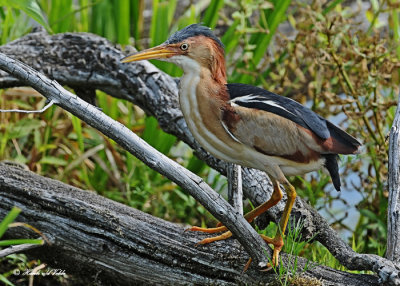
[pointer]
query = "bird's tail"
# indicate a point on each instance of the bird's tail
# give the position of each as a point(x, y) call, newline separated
point(332, 166)
point(342, 142)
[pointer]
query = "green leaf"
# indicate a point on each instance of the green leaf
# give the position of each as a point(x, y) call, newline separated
point(230, 38)
point(195, 165)
point(262, 40)
point(77, 124)
point(274, 18)
point(331, 6)
point(367, 213)
point(157, 138)
point(31, 8)
point(211, 15)
point(23, 128)
point(5, 280)
point(53, 161)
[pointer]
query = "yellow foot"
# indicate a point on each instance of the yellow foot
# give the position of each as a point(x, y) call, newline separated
point(277, 242)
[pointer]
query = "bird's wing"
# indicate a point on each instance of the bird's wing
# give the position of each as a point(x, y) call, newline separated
point(279, 126)
point(257, 98)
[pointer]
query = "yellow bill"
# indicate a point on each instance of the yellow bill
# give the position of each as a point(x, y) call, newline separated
point(159, 52)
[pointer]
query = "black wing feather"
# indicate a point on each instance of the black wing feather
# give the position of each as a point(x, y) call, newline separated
point(289, 108)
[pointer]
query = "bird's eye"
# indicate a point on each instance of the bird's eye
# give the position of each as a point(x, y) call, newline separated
point(184, 46)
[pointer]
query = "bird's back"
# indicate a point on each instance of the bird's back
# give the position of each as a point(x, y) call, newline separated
point(282, 128)
point(331, 138)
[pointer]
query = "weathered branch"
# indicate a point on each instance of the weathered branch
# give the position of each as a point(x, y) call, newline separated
point(393, 236)
point(191, 183)
point(235, 187)
point(18, 248)
point(118, 245)
point(91, 62)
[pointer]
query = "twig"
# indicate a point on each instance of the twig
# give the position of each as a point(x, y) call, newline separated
point(17, 248)
point(47, 106)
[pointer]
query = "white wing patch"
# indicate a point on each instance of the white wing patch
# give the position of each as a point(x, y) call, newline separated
point(273, 103)
point(253, 98)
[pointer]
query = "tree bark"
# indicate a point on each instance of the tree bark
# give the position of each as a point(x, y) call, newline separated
point(393, 242)
point(88, 61)
point(109, 243)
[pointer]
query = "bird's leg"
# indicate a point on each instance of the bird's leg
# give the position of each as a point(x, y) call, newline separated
point(275, 198)
point(250, 216)
point(277, 241)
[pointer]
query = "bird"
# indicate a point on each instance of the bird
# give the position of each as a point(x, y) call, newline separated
point(248, 125)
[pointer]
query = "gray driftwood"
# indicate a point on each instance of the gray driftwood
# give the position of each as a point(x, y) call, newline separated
point(87, 61)
point(109, 243)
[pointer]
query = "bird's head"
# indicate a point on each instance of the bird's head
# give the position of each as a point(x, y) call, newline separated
point(193, 48)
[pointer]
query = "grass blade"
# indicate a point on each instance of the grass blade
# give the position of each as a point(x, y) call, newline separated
point(231, 39)
point(137, 7)
point(20, 241)
point(5, 280)
point(211, 15)
point(122, 16)
point(10, 217)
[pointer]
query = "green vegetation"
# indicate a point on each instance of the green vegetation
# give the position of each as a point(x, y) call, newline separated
point(6, 223)
point(343, 71)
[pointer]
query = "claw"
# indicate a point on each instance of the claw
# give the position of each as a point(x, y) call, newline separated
point(268, 268)
point(207, 230)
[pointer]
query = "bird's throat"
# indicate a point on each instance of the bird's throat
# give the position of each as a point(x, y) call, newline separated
point(202, 99)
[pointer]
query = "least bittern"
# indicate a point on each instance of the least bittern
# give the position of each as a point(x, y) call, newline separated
point(247, 125)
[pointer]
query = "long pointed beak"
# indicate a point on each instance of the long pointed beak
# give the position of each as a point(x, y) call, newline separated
point(159, 52)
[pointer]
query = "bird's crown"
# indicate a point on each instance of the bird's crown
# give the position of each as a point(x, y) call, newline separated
point(192, 31)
